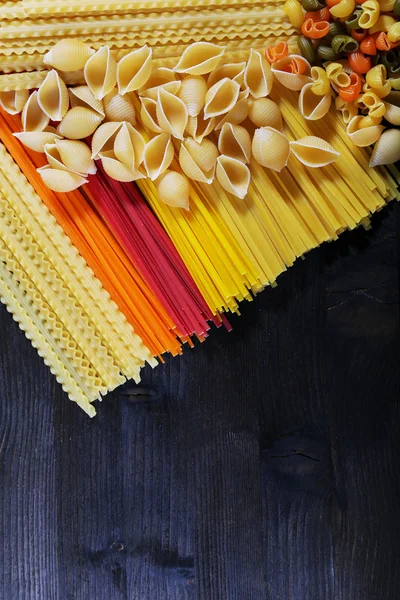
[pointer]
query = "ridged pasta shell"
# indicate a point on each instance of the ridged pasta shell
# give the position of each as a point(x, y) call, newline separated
point(221, 98)
point(172, 115)
point(68, 55)
point(148, 115)
point(13, 102)
point(129, 146)
point(172, 87)
point(313, 151)
point(82, 95)
point(199, 58)
point(59, 180)
point(235, 141)
point(270, 148)
point(387, 148)
point(100, 72)
point(365, 136)
point(233, 71)
point(311, 106)
point(173, 189)
point(258, 77)
point(36, 140)
point(233, 175)
point(159, 76)
point(104, 137)
point(33, 118)
point(204, 153)
point(134, 70)
point(199, 127)
point(190, 167)
point(193, 93)
point(292, 81)
point(158, 155)
point(237, 114)
point(76, 156)
point(264, 112)
point(117, 169)
point(53, 96)
point(54, 158)
point(119, 108)
point(392, 104)
point(79, 123)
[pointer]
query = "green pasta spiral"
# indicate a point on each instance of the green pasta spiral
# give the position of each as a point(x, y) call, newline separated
point(326, 53)
point(307, 48)
point(344, 43)
point(352, 22)
point(312, 5)
point(335, 28)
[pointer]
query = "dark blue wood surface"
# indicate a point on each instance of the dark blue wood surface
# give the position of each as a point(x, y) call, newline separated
point(262, 465)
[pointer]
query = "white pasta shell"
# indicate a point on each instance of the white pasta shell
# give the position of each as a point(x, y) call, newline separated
point(148, 114)
point(365, 136)
point(292, 81)
point(204, 153)
point(53, 96)
point(264, 112)
point(221, 98)
point(76, 156)
point(79, 123)
point(13, 102)
point(311, 106)
point(134, 70)
point(233, 175)
point(104, 137)
point(159, 76)
point(313, 151)
point(270, 148)
point(36, 140)
point(82, 95)
point(33, 118)
point(387, 148)
point(158, 155)
point(119, 108)
point(199, 127)
point(172, 87)
point(59, 180)
point(54, 158)
point(173, 189)
point(199, 58)
point(235, 141)
point(191, 168)
point(129, 146)
point(68, 55)
point(172, 115)
point(392, 104)
point(100, 72)
point(117, 169)
point(238, 113)
point(193, 93)
point(233, 71)
point(258, 77)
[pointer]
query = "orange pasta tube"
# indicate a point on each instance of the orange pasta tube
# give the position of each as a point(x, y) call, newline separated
point(315, 29)
point(358, 62)
point(351, 92)
point(274, 53)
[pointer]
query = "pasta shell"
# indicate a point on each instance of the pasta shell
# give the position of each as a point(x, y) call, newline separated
point(158, 155)
point(59, 180)
point(190, 167)
point(172, 115)
point(238, 113)
point(392, 104)
point(36, 140)
point(54, 158)
point(264, 112)
point(76, 156)
point(193, 93)
point(311, 106)
point(233, 71)
point(292, 81)
point(129, 146)
point(172, 87)
point(53, 96)
point(13, 102)
point(100, 72)
point(221, 98)
point(270, 148)
point(82, 95)
point(365, 136)
point(118, 170)
point(235, 141)
point(199, 58)
point(258, 77)
point(134, 70)
point(199, 127)
point(33, 118)
point(159, 76)
point(233, 176)
point(68, 55)
point(387, 148)
point(79, 123)
point(313, 151)
point(174, 190)
point(204, 153)
point(119, 108)
point(148, 115)
point(104, 137)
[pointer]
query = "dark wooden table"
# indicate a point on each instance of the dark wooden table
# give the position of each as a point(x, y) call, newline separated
point(263, 464)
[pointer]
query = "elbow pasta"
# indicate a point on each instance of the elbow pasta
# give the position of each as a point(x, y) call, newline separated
point(370, 14)
point(294, 10)
point(321, 85)
point(343, 9)
point(393, 33)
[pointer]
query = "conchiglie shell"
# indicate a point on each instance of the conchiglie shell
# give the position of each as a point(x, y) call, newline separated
point(199, 127)
point(82, 95)
point(68, 55)
point(233, 71)
point(13, 102)
point(172, 87)
point(129, 146)
point(204, 153)
point(101, 72)
point(158, 155)
point(53, 96)
point(79, 123)
point(221, 98)
point(33, 118)
point(387, 148)
point(148, 115)
point(173, 189)
point(258, 77)
point(118, 170)
point(264, 112)
point(104, 137)
point(313, 151)
point(270, 148)
point(235, 141)
point(59, 180)
point(292, 81)
point(237, 114)
point(36, 140)
point(172, 115)
point(76, 156)
point(363, 137)
point(392, 104)
point(233, 175)
point(191, 168)
point(119, 108)
point(193, 93)
point(159, 76)
point(311, 106)
point(134, 70)
point(199, 58)
point(53, 156)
